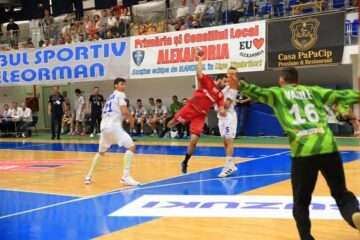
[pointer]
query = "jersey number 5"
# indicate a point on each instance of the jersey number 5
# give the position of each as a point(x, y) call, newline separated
point(310, 112)
point(107, 108)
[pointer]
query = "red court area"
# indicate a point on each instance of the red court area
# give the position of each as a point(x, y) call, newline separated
point(34, 166)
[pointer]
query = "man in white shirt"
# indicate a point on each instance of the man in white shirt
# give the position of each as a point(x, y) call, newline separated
point(80, 113)
point(112, 132)
point(26, 119)
point(16, 116)
point(228, 124)
point(140, 116)
point(111, 21)
point(182, 11)
point(5, 119)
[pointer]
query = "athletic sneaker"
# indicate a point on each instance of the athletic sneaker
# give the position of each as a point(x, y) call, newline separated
point(356, 220)
point(129, 181)
point(92, 135)
point(184, 167)
point(227, 171)
point(88, 180)
point(70, 133)
point(164, 132)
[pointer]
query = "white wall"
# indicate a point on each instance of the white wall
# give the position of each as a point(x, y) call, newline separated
point(5, 96)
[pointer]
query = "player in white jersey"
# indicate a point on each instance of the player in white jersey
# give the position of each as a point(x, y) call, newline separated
point(228, 124)
point(112, 132)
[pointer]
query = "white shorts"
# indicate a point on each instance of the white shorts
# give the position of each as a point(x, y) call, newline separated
point(80, 117)
point(228, 125)
point(111, 135)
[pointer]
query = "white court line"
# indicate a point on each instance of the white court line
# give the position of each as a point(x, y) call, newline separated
point(138, 189)
point(146, 188)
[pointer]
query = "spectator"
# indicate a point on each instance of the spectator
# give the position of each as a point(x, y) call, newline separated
point(104, 18)
point(199, 10)
point(91, 38)
point(182, 11)
point(174, 108)
point(29, 43)
point(109, 35)
point(140, 116)
point(88, 25)
point(41, 43)
point(68, 120)
point(80, 113)
point(195, 24)
point(26, 120)
point(211, 14)
point(235, 10)
point(53, 42)
point(125, 17)
point(97, 37)
point(159, 116)
point(5, 122)
point(132, 113)
point(65, 95)
point(95, 105)
point(61, 38)
point(66, 27)
point(178, 26)
point(56, 108)
point(142, 30)
point(242, 108)
point(46, 42)
point(97, 22)
point(151, 111)
point(81, 38)
point(12, 27)
point(123, 28)
point(111, 21)
point(47, 24)
point(67, 39)
point(16, 117)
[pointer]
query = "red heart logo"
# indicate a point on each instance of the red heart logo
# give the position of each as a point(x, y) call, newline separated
point(258, 42)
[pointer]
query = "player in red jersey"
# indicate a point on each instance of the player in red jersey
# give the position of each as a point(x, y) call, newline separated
point(195, 111)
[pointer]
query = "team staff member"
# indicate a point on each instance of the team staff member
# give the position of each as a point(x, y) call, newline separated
point(95, 103)
point(56, 108)
point(300, 110)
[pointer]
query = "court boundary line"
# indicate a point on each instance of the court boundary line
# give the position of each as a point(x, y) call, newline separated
point(134, 189)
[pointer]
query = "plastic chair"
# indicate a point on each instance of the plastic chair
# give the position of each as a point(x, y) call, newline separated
point(355, 28)
point(34, 123)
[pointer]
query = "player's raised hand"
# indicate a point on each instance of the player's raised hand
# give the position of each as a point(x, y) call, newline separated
point(199, 53)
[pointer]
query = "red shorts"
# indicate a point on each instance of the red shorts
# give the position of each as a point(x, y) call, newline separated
point(196, 119)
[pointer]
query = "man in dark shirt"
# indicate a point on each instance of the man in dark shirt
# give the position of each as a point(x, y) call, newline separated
point(95, 105)
point(56, 108)
point(242, 108)
point(12, 27)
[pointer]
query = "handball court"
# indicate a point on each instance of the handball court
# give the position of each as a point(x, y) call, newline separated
point(43, 195)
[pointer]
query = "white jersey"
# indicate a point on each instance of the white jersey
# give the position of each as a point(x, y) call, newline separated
point(111, 116)
point(229, 93)
point(80, 102)
point(228, 124)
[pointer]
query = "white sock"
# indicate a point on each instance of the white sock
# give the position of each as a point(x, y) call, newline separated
point(129, 155)
point(142, 131)
point(155, 131)
point(229, 161)
point(95, 161)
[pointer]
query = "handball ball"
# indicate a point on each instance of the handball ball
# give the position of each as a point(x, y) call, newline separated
point(200, 51)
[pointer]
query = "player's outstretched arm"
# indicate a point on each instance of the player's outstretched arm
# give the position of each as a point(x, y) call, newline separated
point(253, 91)
point(329, 96)
point(199, 72)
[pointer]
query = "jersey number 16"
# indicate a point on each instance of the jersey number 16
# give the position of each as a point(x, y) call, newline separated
point(310, 112)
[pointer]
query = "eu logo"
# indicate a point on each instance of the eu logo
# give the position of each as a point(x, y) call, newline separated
point(138, 56)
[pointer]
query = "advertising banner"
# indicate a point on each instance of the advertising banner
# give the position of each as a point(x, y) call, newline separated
point(173, 54)
point(102, 60)
point(309, 40)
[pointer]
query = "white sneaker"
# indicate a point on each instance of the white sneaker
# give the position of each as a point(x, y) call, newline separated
point(129, 181)
point(23, 135)
point(70, 133)
point(92, 135)
point(227, 171)
point(88, 180)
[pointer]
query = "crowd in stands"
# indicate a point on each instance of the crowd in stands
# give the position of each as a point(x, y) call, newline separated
point(117, 22)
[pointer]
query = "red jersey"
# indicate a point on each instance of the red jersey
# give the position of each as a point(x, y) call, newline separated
point(207, 95)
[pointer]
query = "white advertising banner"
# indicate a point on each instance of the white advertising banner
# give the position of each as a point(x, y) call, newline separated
point(102, 60)
point(173, 54)
point(224, 206)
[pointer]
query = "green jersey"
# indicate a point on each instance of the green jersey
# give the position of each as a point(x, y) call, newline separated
point(343, 107)
point(300, 111)
point(175, 107)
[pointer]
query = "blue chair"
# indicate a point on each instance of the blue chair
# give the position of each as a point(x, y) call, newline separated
point(291, 3)
point(265, 9)
point(307, 10)
point(338, 4)
point(279, 9)
point(250, 10)
point(355, 28)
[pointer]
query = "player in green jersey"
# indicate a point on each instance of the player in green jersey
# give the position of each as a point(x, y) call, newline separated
point(300, 110)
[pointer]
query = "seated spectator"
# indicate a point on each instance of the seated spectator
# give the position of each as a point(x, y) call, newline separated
point(159, 116)
point(112, 22)
point(5, 120)
point(16, 117)
point(67, 125)
point(178, 26)
point(125, 17)
point(174, 108)
point(97, 37)
point(53, 42)
point(41, 43)
point(195, 24)
point(123, 28)
point(140, 117)
point(132, 113)
point(81, 38)
point(67, 39)
point(109, 35)
point(66, 27)
point(235, 10)
point(182, 12)
point(88, 24)
point(60, 39)
point(143, 30)
point(29, 43)
point(26, 121)
point(199, 10)
point(212, 14)
point(97, 22)
point(46, 42)
point(91, 38)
